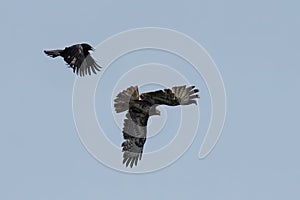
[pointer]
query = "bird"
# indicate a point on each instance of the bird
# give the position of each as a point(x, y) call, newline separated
point(139, 108)
point(78, 58)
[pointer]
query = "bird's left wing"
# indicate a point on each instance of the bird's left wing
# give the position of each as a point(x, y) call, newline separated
point(180, 95)
point(73, 56)
point(134, 133)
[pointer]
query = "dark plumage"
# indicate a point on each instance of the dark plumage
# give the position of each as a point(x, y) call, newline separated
point(139, 108)
point(78, 58)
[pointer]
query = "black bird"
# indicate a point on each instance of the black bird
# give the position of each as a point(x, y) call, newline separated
point(139, 108)
point(78, 58)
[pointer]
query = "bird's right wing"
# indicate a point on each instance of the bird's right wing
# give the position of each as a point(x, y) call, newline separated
point(134, 133)
point(88, 66)
point(123, 98)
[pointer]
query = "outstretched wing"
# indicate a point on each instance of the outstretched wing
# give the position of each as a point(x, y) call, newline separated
point(123, 98)
point(180, 95)
point(185, 95)
point(88, 66)
point(81, 65)
point(134, 133)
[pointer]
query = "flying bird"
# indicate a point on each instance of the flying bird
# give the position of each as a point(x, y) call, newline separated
point(139, 108)
point(78, 58)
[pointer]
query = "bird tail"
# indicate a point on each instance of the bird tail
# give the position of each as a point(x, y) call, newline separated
point(123, 98)
point(186, 95)
point(53, 53)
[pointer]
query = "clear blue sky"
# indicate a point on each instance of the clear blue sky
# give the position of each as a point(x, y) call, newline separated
point(256, 46)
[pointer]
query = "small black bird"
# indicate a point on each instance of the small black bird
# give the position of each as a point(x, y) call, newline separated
point(78, 58)
point(139, 108)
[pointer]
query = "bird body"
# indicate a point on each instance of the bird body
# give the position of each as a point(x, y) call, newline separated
point(139, 108)
point(78, 58)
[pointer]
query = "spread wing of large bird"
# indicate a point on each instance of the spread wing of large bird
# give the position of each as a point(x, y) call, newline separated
point(139, 108)
point(78, 58)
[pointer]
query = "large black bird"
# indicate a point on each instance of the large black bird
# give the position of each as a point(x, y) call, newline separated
point(139, 108)
point(78, 58)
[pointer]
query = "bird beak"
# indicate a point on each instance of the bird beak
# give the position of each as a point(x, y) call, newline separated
point(157, 112)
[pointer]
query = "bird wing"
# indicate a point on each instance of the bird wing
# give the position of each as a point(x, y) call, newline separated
point(76, 59)
point(180, 95)
point(185, 95)
point(123, 98)
point(73, 56)
point(89, 65)
point(134, 133)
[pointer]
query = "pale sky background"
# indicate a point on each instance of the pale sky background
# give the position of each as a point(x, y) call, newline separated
point(256, 46)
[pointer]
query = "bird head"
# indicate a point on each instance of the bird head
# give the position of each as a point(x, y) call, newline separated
point(87, 47)
point(154, 111)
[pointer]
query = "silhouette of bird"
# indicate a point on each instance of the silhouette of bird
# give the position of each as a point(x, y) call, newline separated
point(139, 108)
point(78, 58)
